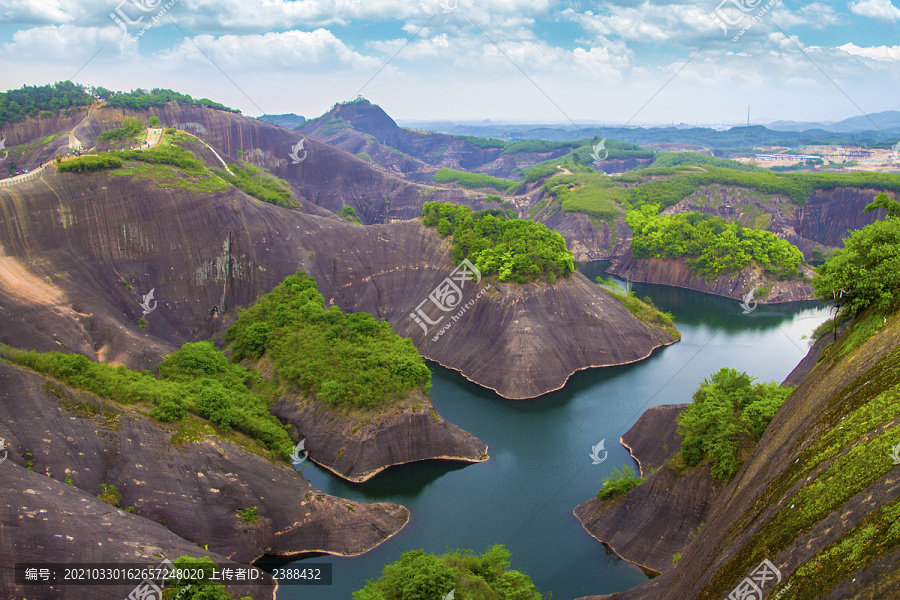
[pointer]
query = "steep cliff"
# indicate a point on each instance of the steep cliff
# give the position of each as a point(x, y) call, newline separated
point(678, 273)
point(818, 496)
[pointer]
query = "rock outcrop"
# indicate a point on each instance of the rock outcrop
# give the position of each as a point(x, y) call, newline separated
point(358, 452)
point(657, 519)
point(46, 521)
point(676, 272)
point(184, 476)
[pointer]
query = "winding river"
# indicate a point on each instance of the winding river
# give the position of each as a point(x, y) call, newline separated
point(539, 468)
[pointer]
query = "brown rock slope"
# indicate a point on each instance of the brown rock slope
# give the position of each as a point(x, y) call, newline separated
point(817, 497)
point(84, 234)
point(676, 272)
point(196, 488)
point(659, 517)
point(359, 452)
point(47, 521)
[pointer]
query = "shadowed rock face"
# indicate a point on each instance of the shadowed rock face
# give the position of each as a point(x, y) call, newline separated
point(358, 453)
point(47, 521)
point(196, 489)
point(658, 518)
point(69, 241)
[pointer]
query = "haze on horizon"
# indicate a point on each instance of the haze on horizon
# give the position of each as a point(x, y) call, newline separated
point(539, 61)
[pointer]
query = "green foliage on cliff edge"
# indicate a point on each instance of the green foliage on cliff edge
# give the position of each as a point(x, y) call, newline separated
point(30, 101)
point(347, 359)
point(728, 416)
point(473, 180)
point(420, 576)
point(619, 483)
point(196, 379)
point(514, 249)
point(864, 274)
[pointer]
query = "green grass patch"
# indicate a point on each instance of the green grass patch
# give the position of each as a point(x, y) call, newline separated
point(592, 194)
point(473, 180)
point(92, 162)
point(619, 483)
point(262, 186)
point(646, 311)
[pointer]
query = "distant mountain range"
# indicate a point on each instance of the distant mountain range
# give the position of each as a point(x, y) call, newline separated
point(888, 120)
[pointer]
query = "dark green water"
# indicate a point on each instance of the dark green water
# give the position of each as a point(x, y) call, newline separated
point(539, 468)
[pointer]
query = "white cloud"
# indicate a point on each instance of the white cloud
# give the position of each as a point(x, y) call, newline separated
point(68, 43)
point(883, 10)
point(815, 15)
point(881, 53)
point(313, 50)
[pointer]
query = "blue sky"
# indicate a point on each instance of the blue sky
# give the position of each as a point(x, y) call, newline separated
point(507, 60)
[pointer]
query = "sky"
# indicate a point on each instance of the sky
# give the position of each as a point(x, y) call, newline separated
point(632, 62)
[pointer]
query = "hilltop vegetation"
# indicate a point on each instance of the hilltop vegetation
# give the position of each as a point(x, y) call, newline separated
point(712, 245)
point(513, 248)
point(31, 101)
point(157, 97)
point(420, 576)
point(473, 180)
point(347, 359)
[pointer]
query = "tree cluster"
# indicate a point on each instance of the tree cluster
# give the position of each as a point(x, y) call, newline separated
point(712, 245)
point(729, 415)
point(345, 359)
point(30, 100)
point(513, 248)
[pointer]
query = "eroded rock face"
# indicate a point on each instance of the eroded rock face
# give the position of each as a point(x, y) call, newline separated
point(46, 521)
point(195, 489)
point(676, 272)
point(658, 518)
point(359, 452)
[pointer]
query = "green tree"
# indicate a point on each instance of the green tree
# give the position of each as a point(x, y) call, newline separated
point(864, 273)
point(884, 201)
point(729, 412)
